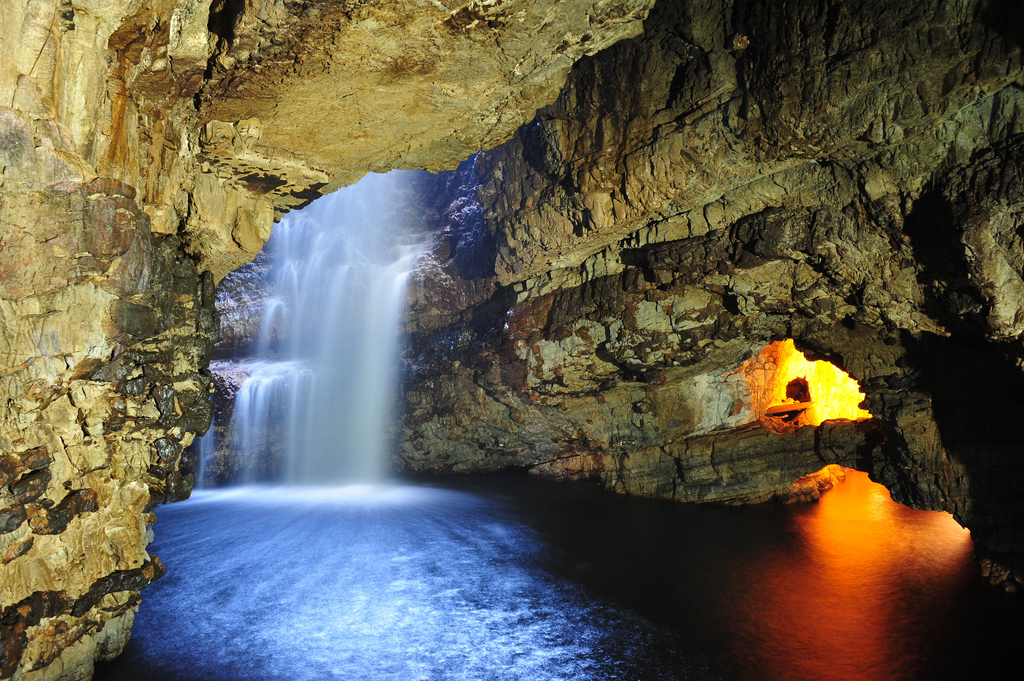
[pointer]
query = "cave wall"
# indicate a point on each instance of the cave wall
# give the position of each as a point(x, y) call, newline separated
point(107, 329)
point(844, 174)
point(145, 150)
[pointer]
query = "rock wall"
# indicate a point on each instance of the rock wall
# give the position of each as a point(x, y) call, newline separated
point(847, 175)
point(107, 332)
point(145, 149)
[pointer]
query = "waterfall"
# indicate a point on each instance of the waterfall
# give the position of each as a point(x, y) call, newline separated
point(317, 397)
point(207, 449)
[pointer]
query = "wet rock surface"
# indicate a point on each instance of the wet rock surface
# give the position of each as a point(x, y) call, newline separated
point(107, 332)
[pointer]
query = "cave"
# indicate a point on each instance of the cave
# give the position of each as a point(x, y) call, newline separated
point(637, 225)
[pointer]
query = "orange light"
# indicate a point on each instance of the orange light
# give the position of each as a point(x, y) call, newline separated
point(787, 386)
point(846, 595)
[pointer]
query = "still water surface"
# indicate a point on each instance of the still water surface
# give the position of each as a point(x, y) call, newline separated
point(502, 578)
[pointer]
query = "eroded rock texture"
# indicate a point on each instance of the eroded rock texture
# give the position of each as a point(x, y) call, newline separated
point(844, 174)
point(304, 97)
point(145, 149)
point(107, 329)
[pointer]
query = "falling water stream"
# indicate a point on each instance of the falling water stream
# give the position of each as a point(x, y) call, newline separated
point(514, 578)
point(326, 354)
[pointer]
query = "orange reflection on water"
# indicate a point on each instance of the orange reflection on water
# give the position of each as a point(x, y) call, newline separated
point(861, 568)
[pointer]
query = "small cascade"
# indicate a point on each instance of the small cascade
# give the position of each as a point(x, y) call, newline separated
point(207, 448)
point(316, 401)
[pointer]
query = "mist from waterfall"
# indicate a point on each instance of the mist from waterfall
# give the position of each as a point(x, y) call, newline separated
point(319, 391)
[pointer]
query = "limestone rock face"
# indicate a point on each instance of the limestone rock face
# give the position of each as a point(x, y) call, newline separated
point(304, 97)
point(145, 150)
point(844, 175)
point(739, 103)
point(225, 114)
point(106, 331)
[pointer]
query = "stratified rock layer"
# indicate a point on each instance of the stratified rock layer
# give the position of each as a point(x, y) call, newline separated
point(847, 175)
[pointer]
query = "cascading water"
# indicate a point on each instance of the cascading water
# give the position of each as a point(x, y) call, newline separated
point(326, 355)
point(207, 448)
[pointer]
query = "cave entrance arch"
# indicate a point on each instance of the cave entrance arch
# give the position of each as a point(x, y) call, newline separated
point(788, 391)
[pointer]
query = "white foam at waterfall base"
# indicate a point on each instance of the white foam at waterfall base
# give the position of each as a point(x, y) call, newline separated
point(327, 353)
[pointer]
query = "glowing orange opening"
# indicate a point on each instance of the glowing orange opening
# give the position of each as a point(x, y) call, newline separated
point(790, 389)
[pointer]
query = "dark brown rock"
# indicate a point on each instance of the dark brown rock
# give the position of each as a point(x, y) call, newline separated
point(30, 486)
point(55, 519)
point(11, 518)
point(36, 459)
point(10, 468)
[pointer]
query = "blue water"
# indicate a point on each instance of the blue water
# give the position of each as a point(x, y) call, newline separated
point(524, 579)
point(375, 582)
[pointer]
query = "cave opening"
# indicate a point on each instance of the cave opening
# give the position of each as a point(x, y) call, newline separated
point(789, 391)
point(315, 375)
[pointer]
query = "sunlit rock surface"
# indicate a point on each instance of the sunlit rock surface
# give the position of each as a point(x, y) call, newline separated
point(416, 84)
point(744, 172)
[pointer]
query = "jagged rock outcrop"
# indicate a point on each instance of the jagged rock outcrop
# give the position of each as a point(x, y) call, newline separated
point(846, 175)
point(241, 296)
point(107, 329)
point(301, 98)
point(417, 85)
point(145, 148)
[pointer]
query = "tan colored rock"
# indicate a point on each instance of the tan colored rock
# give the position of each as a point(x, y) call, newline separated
point(415, 84)
point(319, 98)
point(228, 226)
point(103, 331)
